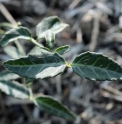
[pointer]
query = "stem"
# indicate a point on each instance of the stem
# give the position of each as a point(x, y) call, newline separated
point(68, 65)
point(4, 24)
point(29, 88)
point(31, 94)
point(39, 45)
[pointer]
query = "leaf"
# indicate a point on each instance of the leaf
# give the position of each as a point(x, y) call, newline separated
point(35, 50)
point(52, 23)
point(6, 75)
point(37, 66)
point(14, 34)
point(63, 49)
point(94, 66)
point(50, 38)
point(14, 89)
point(53, 107)
point(12, 51)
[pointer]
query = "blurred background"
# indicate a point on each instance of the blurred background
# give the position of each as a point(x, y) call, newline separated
point(95, 25)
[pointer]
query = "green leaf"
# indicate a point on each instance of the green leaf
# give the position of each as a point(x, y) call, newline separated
point(13, 52)
point(63, 49)
point(94, 66)
point(6, 75)
point(37, 66)
point(50, 38)
point(14, 34)
point(14, 89)
point(53, 107)
point(52, 23)
point(35, 50)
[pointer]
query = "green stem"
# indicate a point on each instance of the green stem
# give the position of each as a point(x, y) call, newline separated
point(4, 24)
point(37, 44)
point(31, 94)
point(30, 89)
point(68, 65)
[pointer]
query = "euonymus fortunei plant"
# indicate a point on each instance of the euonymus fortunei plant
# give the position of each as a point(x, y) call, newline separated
point(45, 63)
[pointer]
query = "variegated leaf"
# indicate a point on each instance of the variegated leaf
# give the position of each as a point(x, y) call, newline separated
point(50, 38)
point(95, 66)
point(6, 75)
point(51, 106)
point(14, 89)
point(37, 66)
point(14, 34)
point(63, 49)
point(52, 23)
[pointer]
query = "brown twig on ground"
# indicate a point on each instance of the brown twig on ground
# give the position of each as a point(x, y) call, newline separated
point(95, 32)
point(74, 4)
point(110, 89)
point(79, 35)
point(27, 112)
point(7, 15)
